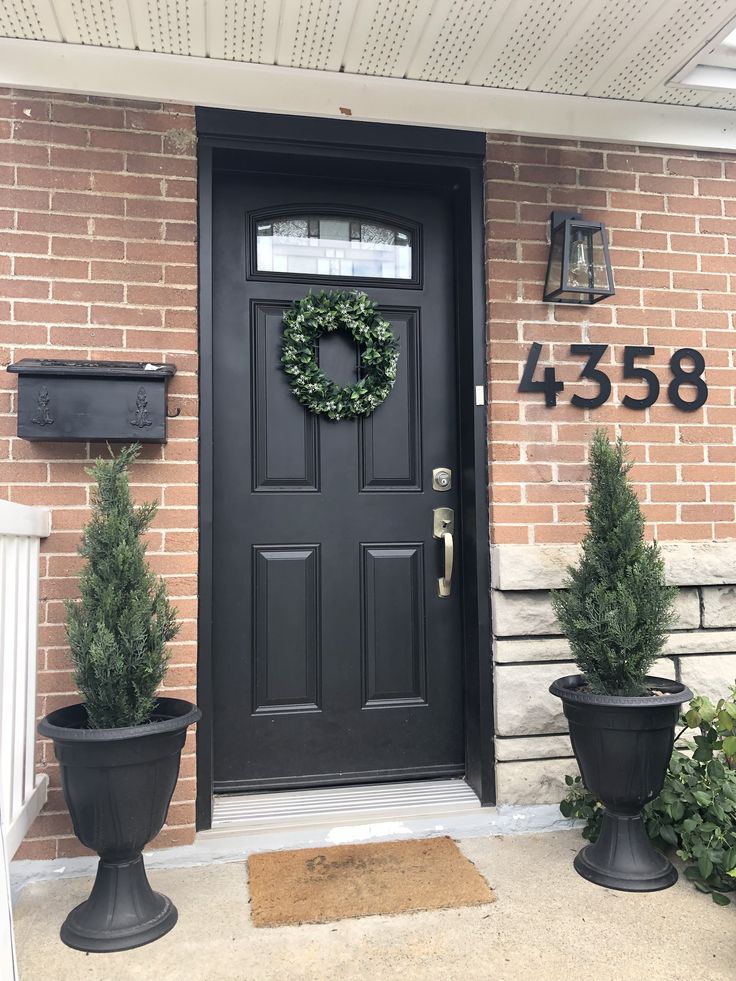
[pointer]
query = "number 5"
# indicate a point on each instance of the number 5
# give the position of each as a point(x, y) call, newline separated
point(645, 374)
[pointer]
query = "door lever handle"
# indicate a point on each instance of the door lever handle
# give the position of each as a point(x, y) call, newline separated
point(443, 528)
point(444, 585)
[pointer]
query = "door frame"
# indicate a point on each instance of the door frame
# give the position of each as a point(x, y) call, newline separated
point(454, 159)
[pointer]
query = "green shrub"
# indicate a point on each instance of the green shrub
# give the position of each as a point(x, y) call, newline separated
point(696, 810)
point(616, 609)
point(119, 630)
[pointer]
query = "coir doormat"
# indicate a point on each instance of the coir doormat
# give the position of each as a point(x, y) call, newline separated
point(317, 885)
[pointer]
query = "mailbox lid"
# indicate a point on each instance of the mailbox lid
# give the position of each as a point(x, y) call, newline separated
point(54, 367)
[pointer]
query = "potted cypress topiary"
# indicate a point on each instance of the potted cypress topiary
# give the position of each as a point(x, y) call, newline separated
point(616, 612)
point(119, 750)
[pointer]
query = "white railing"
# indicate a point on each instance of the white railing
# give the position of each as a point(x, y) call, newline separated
point(22, 793)
point(8, 967)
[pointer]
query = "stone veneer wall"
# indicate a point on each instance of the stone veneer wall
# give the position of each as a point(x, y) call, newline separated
point(532, 747)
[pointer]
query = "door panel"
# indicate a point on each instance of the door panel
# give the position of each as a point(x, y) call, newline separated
point(334, 658)
point(393, 641)
point(285, 437)
point(286, 650)
point(390, 448)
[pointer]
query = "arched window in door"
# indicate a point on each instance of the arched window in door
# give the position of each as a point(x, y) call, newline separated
point(342, 246)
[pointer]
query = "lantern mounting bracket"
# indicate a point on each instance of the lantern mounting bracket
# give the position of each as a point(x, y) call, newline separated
point(557, 217)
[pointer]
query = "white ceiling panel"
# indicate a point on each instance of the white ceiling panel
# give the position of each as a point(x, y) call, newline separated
point(32, 19)
point(531, 34)
point(674, 96)
point(243, 30)
point(607, 28)
point(314, 33)
point(671, 36)
point(631, 50)
point(102, 23)
point(716, 100)
point(385, 35)
point(170, 26)
point(453, 39)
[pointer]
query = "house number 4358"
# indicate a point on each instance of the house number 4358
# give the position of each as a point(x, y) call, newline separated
point(686, 366)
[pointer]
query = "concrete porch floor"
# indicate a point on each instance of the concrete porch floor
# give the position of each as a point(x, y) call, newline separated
point(547, 924)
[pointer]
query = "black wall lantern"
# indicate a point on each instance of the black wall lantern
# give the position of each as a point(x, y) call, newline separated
point(579, 268)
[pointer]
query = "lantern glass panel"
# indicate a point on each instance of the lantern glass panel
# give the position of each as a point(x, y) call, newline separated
point(554, 268)
point(587, 259)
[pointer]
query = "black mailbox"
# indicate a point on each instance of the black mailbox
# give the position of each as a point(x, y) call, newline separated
point(119, 401)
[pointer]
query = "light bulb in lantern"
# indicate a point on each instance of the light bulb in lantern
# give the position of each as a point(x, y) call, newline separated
point(579, 269)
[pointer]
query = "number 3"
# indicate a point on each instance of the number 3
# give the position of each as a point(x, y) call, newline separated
point(595, 352)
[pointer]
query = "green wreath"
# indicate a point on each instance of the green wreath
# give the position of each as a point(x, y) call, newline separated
point(311, 317)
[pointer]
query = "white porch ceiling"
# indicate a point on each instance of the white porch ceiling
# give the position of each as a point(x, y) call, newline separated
point(611, 49)
point(607, 70)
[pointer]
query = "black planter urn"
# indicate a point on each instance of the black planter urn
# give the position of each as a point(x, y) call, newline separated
point(623, 746)
point(117, 785)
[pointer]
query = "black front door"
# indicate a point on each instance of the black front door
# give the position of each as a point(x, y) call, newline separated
point(334, 658)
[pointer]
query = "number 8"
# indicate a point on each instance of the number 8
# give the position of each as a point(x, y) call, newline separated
point(680, 377)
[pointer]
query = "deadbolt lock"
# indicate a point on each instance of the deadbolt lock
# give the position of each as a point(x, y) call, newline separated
point(441, 479)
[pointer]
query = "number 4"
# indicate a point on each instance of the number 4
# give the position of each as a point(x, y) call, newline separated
point(550, 386)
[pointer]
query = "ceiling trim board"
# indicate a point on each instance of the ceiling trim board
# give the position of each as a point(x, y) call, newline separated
point(265, 88)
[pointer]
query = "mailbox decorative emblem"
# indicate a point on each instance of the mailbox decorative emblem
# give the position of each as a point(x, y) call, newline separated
point(141, 418)
point(43, 416)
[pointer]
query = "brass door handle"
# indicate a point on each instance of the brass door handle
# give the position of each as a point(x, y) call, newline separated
point(443, 528)
point(444, 585)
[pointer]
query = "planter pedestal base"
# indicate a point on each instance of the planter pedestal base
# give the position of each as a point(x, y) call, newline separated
point(122, 911)
point(624, 858)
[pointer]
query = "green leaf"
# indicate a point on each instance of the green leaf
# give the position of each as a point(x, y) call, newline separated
point(707, 710)
point(729, 746)
point(705, 866)
point(716, 770)
point(723, 719)
point(719, 899)
point(668, 834)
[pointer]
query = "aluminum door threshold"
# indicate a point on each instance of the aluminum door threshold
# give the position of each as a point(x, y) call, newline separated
point(374, 803)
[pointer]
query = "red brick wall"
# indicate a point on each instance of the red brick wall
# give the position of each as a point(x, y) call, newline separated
point(671, 217)
point(98, 260)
